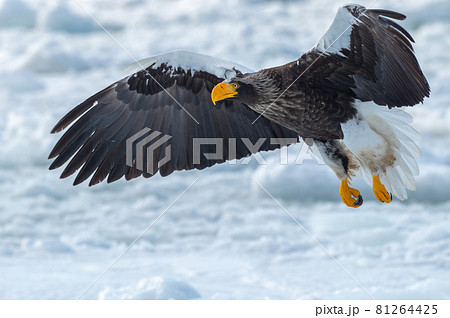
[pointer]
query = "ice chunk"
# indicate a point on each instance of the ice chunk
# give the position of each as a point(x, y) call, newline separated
point(156, 288)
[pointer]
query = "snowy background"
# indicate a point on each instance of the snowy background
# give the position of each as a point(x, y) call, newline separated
point(224, 238)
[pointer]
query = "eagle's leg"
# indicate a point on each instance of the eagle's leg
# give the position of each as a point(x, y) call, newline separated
point(351, 197)
point(380, 190)
point(337, 156)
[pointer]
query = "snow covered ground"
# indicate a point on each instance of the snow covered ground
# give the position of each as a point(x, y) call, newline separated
point(224, 238)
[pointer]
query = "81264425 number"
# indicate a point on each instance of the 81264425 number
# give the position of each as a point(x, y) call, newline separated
point(404, 309)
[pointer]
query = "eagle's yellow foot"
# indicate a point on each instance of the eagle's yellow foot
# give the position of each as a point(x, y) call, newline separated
point(350, 196)
point(380, 190)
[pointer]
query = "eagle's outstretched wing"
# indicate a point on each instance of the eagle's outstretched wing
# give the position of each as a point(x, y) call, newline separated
point(373, 58)
point(170, 97)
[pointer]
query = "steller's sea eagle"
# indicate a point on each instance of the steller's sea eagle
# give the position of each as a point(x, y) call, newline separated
point(344, 95)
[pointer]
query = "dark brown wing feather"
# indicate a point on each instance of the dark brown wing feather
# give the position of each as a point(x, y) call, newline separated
point(364, 55)
point(380, 61)
point(95, 143)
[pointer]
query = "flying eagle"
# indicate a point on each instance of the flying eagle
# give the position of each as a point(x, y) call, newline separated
point(344, 95)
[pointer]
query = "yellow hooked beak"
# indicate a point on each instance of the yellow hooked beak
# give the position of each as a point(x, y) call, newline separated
point(223, 91)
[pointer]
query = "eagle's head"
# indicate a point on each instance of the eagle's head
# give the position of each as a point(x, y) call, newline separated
point(238, 88)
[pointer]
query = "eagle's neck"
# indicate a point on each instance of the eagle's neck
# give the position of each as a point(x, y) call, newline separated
point(273, 88)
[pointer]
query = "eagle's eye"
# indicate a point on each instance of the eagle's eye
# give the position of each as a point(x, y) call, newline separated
point(235, 85)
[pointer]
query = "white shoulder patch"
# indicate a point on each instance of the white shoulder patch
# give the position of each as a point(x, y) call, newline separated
point(191, 61)
point(338, 35)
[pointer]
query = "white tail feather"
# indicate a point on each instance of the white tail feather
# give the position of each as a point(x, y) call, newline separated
point(384, 143)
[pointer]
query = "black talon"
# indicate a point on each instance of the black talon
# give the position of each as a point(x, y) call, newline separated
point(359, 201)
point(391, 196)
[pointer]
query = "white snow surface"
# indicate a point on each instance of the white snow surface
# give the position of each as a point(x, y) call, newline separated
point(225, 238)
